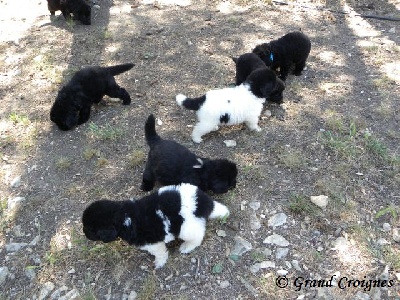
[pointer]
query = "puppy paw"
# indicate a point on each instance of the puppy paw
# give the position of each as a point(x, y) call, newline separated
point(180, 98)
point(186, 248)
point(160, 262)
point(197, 139)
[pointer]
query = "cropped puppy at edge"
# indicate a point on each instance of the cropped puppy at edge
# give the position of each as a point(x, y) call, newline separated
point(173, 212)
point(248, 63)
point(171, 163)
point(292, 48)
point(80, 9)
point(87, 86)
point(234, 105)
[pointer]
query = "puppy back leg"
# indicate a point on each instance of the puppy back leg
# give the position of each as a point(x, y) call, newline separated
point(200, 129)
point(253, 124)
point(284, 70)
point(84, 115)
point(148, 179)
point(299, 67)
point(159, 250)
point(118, 92)
point(192, 233)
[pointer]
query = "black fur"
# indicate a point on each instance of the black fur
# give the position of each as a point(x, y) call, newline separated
point(194, 103)
point(292, 48)
point(171, 163)
point(263, 82)
point(80, 9)
point(87, 86)
point(245, 64)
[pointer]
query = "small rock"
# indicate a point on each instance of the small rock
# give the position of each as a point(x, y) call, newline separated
point(361, 296)
point(396, 235)
point(14, 203)
point(159, 122)
point(96, 6)
point(340, 244)
point(277, 240)
point(14, 247)
point(320, 201)
point(277, 220)
point(296, 265)
point(267, 113)
point(224, 284)
point(3, 274)
point(386, 227)
point(16, 182)
point(45, 290)
point(255, 268)
point(221, 233)
point(230, 143)
point(56, 294)
point(382, 242)
point(132, 295)
point(281, 252)
point(282, 272)
point(255, 205)
point(30, 273)
point(255, 224)
point(267, 264)
point(392, 30)
point(397, 276)
point(71, 295)
point(71, 271)
point(241, 246)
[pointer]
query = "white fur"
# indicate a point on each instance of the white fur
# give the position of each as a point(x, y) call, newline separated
point(159, 250)
point(167, 225)
point(239, 102)
point(219, 211)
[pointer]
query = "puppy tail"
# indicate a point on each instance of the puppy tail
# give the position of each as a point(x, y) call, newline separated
point(219, 211)
point(190, 103)
point(150, 130)
point(118, 69)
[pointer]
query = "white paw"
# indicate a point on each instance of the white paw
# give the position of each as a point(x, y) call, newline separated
point(180, 98)
point(160, 262)
point(197, 139)
point(258, 129)
point(186, 248)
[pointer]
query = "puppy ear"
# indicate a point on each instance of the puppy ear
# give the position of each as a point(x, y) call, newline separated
point(200, 164)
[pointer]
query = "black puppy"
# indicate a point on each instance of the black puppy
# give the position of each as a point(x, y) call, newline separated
point(245, 64)
point(80, 9)
point(292, 48)
point(171, 163)
point(87, 86)
point(172, 212)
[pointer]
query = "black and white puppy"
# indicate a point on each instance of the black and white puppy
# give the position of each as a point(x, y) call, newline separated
point(234, 105)
point(173, 212)
point(292, 48)
point(171, 163)
point(250, 62)
point(80, 9)
point(87, 86)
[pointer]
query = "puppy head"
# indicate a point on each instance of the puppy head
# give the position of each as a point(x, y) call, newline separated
point(220, 175)
point(277, 92)
point(264, 52)
point(98, 221)
point(65, 117)
point(265, 84)
point(84, 13)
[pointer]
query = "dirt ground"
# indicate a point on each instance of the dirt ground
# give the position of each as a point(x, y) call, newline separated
point(337, 134)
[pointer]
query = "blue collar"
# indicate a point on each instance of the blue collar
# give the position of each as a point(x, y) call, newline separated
point(271, 57)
